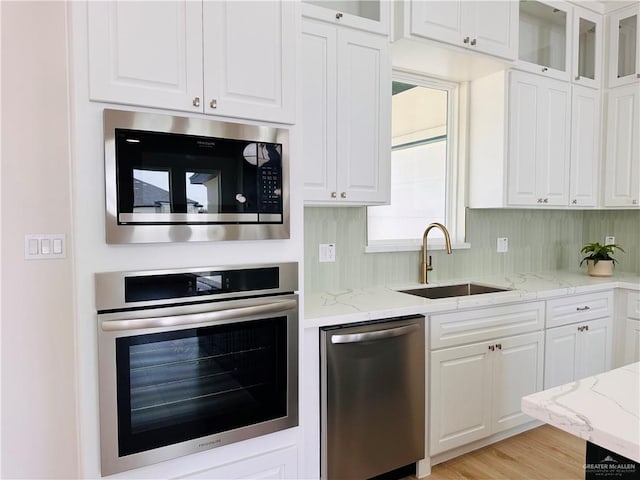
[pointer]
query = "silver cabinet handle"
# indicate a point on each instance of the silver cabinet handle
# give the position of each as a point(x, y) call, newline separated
point(375, 335)
point(334, 195)
point(198, 318)
point(213, 103)
point(343, 194)
point(582, 309)
point(196, 102)
point(473, 42)
point(466, 40)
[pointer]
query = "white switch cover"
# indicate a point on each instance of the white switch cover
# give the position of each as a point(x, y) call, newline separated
point(609, 239)
point(44, 246)
point(327, 252)
point(502, 245)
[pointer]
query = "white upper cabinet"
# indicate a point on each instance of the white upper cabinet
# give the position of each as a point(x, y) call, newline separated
point(545, 32)
point(622, 157)
point(345, 119)
point(624, 46)
point(370, 15)
point(482, 26)
point(539, 141)
point(232, 59)
point(587, 47)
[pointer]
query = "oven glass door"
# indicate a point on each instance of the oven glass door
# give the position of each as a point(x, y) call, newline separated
point(184, 384)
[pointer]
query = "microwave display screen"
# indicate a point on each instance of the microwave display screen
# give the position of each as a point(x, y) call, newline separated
point(170, 178)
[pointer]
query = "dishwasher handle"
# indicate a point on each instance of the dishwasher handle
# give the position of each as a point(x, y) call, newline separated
point(375, 335)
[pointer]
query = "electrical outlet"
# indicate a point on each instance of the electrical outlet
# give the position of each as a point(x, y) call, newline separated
point(502, 245)
point(327, 252)
point(609, 239)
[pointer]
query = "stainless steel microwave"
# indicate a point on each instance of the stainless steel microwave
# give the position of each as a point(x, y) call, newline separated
point(180, 179)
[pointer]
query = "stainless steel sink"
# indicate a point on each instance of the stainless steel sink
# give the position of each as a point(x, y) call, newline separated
point(460, 290)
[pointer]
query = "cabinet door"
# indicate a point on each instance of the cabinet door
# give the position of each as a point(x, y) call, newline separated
point(146, 53)
point(318, 110)
point(622, 160)
point(585, 147)
point(587, 47)
point(493, 27)
point(539, 140)
point(363, 117)
point(560, 364)
point(544, 38)
point(624, 47)
point(249, 59)
point(517, 371)
point(438, 20)
point(594, 347)
point(461, 396)
point(632, 346)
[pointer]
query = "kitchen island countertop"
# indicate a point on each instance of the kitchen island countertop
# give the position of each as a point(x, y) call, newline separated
point(603, 409)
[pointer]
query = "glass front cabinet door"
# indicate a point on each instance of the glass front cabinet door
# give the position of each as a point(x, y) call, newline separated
point(587, 47)
point(545, 38)
point(624, 46)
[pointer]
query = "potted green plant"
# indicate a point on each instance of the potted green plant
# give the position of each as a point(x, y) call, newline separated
point(599, 258)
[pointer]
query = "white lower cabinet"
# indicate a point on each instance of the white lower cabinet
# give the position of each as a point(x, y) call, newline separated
point(579, 337)
point(476, 389)
point(632, 328)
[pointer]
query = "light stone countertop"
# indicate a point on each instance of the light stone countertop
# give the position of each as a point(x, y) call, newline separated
point(358, 305)
point(603, 409)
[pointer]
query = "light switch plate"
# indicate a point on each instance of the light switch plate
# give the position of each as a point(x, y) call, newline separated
point(609, 239)
point(44, 246)
point(502, 245)
point(327, 252)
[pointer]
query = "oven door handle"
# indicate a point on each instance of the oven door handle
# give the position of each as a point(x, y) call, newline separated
point(279, 306)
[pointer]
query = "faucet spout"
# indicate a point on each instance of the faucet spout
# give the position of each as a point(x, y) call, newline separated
point(424, 265)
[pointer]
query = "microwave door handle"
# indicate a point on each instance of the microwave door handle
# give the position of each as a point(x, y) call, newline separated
point(280, 306)
point(376, 335)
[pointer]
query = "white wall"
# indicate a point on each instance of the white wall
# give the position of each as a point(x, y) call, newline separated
point(39, 438)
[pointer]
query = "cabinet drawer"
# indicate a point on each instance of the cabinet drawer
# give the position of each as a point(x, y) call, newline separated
point(579, 308)
point(633, 305)
point(458, 328)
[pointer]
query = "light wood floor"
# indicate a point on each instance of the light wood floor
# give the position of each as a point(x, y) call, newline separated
point(544, 453)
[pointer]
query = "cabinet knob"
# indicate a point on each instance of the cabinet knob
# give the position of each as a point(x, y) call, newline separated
point(546, 200)
point(343, 194)
point(492, 347)
point(465, 40)
point(196, 102)
point(544, 69)
point(334, 195)
point(473, 42)
point(213, 103)
point(499, 346)
point(338, 15)
point(634, 202)
point(574, 201)
point(539, 200)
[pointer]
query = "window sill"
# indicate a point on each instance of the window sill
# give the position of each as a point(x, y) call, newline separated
point(413, 246)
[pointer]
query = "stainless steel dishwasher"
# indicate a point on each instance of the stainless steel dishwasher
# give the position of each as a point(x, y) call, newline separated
point(372, 397)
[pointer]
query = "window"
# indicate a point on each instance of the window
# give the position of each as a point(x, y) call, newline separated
point(425, 173)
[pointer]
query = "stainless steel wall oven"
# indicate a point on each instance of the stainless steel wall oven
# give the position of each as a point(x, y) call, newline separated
point(192, 359)
point(176, 179)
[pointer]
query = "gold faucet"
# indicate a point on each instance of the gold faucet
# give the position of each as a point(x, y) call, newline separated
point(424, 266)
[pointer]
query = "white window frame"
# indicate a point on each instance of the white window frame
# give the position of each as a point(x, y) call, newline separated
point(456, 188)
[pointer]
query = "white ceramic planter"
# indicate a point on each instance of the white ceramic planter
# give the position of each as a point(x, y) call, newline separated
point(604, 268)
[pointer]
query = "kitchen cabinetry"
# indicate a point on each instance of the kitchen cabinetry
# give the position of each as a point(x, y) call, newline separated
point(632, 328)
point(622, 157)
point(587, 47)
point(579, 338)
point(501, 365)
point(368, 15)
point(232, 59)
point(345, 115)
point(534, 142)
point(545, 32)
point(487, 27)
point(624, 46)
